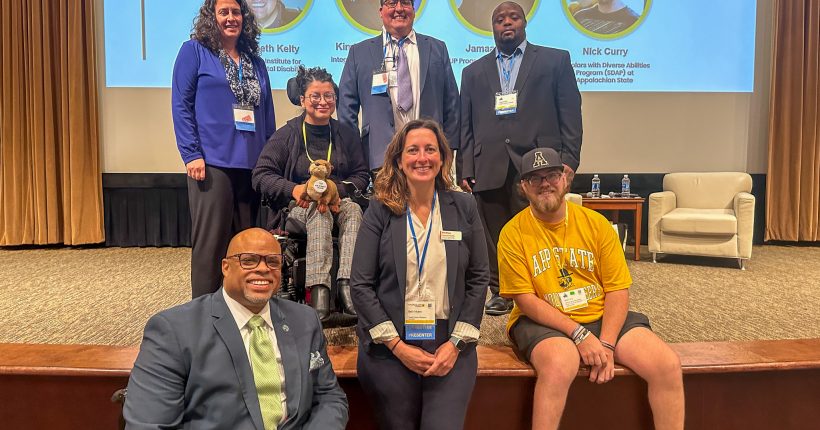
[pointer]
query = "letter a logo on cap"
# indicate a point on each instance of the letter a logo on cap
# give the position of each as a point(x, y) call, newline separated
point(539, 161)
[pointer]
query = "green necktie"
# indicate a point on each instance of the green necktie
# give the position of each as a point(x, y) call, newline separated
point(265, 374)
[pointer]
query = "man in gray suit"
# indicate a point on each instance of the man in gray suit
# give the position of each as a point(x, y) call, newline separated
point(519, 97)
point(237, 358)
point(397, 77)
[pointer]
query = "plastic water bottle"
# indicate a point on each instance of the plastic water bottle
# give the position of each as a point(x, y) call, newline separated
point(625, 186)
point(596, 186)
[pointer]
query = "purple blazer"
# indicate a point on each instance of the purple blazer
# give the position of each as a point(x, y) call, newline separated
point(202, 108)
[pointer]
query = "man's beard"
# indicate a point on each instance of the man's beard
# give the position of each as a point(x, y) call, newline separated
point(551, 203)
point(257, 299)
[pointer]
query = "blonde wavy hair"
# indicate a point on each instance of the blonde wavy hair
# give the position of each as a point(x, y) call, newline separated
point(391, 183)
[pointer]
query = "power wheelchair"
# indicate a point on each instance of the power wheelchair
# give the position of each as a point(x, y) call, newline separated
point(292, 237)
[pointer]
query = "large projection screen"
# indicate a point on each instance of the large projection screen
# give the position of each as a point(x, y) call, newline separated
point(647, 46)
point(702, 104)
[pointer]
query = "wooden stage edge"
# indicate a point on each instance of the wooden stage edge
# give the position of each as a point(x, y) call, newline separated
point(753, 384)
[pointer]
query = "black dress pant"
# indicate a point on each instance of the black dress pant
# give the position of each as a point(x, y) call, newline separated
point(221, 205)
point(403, 400)
point(496, 208)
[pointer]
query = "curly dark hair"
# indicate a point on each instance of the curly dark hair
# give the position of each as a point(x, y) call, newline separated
point(207, 32)
point(305, 76)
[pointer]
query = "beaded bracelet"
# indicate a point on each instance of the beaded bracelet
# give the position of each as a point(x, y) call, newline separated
point(581, 336)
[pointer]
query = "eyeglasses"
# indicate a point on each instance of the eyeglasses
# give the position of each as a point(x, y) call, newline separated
point(551, 177)
point(249, 261)
point(317, 98)
point(391, 4)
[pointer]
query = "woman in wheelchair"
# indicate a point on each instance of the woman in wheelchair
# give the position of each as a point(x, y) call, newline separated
point(281, 175)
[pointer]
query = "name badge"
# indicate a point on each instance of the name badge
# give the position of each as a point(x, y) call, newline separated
point(506, 104)
point(574, 299)
point(420, 320)
point(380, 79)
point(450, 235)
point(243, 118)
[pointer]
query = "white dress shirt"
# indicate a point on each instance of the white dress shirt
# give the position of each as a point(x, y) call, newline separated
point(433, 278)
point(241, 316)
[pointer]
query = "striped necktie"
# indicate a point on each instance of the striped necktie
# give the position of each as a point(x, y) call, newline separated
point(265, 373)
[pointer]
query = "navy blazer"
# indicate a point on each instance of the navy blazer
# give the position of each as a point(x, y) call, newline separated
point(379, 275)
point(438, 96)
point(192, 371)
point(549, 115)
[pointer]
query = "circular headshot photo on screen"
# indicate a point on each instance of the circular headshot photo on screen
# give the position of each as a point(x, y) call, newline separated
point(274, 16)
point(606, 19)
point(364, 14)
point(477, 15)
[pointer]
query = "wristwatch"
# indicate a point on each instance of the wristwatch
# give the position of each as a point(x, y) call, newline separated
point(460, 344)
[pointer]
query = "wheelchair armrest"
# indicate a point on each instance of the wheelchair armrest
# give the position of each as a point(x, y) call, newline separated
point(294, 227)
point(360, 197)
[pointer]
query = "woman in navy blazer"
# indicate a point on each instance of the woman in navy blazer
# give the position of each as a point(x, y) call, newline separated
point(420, 258)
point(222, 108)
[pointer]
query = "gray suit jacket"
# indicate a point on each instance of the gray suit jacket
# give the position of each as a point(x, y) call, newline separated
point(193, 372)
point(378, 278)
point(438, 96)
point(549, 115)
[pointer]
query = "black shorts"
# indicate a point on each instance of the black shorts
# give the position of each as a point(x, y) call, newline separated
point(526, 333)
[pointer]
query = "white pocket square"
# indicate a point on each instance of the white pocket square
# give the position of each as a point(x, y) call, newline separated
point(316, 360)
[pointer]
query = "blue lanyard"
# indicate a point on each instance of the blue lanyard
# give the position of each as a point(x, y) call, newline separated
point(240, 69)
point(506, 72)
point(391, 42)
point(420, 258)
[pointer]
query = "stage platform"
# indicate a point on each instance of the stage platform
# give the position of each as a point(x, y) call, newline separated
point(729, 385)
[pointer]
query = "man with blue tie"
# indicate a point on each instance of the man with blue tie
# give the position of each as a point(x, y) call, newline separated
point(397, 77)
point(519, 97)
point(236, 358)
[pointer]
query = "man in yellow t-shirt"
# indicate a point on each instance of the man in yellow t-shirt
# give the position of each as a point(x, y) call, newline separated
point(564, 268)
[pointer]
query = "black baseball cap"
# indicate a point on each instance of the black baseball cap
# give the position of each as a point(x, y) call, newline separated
point(539, 159)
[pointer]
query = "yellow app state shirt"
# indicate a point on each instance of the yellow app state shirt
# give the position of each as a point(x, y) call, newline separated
point(531, 251)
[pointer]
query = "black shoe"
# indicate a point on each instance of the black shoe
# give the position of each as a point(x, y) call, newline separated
point(320, 300)
point(347, 299)
point(498, 306)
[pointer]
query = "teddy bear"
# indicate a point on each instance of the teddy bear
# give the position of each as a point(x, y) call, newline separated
point(320, 189)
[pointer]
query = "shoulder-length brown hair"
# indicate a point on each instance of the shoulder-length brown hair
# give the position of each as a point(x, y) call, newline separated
point(391, 183)
point(206, 30)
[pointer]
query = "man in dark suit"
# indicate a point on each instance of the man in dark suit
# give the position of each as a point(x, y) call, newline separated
point(396, 77)
point(520, 97)
point(236, 359)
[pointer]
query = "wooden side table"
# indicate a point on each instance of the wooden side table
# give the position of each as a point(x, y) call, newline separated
point(621, 204)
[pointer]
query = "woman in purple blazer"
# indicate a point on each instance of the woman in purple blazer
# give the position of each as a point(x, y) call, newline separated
point(223, 115)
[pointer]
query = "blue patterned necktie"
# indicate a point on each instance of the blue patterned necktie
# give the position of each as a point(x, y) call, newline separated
point(265, 374)
point(405, 95)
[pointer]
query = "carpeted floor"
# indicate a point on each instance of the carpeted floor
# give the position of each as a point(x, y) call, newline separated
point(105, 295)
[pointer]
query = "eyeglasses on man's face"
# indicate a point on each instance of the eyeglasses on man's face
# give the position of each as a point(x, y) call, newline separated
point(551, 177)
point(391, 4)
point(250, 261)
point(316, 98)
